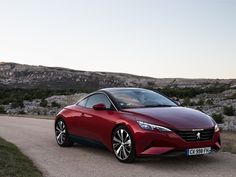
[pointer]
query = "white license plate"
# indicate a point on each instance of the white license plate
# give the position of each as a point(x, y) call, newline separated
point(199, 151)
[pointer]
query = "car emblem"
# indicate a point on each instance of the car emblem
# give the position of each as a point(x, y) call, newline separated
point(198, 135)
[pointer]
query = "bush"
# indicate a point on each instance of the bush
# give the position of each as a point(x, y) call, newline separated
point(229, 110)
point(209, 102)
point(200, 102)
point(55, 104)
point(233, 96)
point(2, 110)
point(192, 92)
point(17, 104)
point(199, 108)
point(218, 117)
point(151, 84)
point(43, 103)
point(10, 95)
point(186, 101)
point(22, 112)
point(192, 103)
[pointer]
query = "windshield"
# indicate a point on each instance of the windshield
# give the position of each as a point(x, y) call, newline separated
point(140, 98)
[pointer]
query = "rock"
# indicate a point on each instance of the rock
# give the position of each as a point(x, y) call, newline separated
point(229, 123)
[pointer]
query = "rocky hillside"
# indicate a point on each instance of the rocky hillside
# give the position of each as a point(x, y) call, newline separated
point(222, 106)
point(39, 90)
point(14, 75)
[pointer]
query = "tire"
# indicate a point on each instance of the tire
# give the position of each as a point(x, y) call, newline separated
point(123, 145)
point(61, 133)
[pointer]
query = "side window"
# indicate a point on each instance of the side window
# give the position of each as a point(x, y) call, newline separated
point(97, 99)
point(83, 102)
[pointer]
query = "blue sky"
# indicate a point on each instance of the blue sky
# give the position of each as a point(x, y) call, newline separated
point(168, 38)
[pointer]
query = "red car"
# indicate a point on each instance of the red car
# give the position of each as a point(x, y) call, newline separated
point(133, 122)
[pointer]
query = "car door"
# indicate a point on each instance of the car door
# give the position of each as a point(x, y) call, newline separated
point(77, 127)
point(92, 123)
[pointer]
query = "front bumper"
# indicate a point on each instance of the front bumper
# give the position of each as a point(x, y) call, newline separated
point(161, 143)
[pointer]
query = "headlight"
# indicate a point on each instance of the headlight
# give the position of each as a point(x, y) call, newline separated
point(216, 128)
point(147, 126)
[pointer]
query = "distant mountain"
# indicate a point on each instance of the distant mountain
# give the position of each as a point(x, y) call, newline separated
point(13, 75)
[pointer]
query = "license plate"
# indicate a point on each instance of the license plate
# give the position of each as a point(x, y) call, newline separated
point(199, 151)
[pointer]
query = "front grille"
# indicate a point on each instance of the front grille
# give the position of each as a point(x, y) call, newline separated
point(196, 135)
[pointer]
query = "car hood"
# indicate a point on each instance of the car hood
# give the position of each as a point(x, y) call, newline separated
point(176, 117)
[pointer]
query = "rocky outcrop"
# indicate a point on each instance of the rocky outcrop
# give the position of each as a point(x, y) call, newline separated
point(51, 107)
point(229, 123)
point(213, 103)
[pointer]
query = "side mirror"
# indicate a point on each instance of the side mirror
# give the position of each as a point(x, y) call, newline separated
point(99, 107)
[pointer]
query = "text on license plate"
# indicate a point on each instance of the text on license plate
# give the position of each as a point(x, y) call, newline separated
point(199, 151)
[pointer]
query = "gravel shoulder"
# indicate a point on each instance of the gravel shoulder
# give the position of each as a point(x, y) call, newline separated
point(35, 138)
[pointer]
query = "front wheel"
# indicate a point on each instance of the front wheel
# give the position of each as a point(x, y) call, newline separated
point(123, 144)
point(61, 132)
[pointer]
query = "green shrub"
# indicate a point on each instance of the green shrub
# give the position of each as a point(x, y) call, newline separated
point(186, 101)
point(17, 104)
point(199, 108)
point(2, 110)
point(192, 92)
point(192, 103)
point(200, 102)
point(233, 96)
point(10, 95)
point(22, 112)
point(43, 103)
point(209, 102)
point(55, 104)
point(218, 117)
point(229, 110)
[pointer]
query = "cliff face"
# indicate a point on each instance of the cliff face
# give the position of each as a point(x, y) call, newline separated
point(14, 75)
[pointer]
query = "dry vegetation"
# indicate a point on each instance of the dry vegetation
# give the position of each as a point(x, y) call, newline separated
point(228, 142)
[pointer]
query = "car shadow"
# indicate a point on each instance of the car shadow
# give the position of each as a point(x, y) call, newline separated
point(160, 162)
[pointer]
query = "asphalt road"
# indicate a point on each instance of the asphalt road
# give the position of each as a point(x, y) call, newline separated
point(35, 137)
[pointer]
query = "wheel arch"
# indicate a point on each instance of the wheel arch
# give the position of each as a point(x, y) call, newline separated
point(127, 126)
point(58, 117)
point(122, 124)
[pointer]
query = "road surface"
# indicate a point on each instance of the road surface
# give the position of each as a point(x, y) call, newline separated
point(35, 138)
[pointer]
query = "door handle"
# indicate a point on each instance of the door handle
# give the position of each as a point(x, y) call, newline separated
point(84, 115)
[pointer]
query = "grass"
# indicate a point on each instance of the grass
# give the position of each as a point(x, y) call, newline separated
point(15, 164)
point(228, 142)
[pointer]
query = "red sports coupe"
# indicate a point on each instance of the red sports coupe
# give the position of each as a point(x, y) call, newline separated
point(134, 122)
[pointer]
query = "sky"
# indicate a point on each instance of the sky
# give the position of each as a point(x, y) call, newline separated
point(157, 38)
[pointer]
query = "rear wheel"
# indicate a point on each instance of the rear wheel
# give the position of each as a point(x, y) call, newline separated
point(123, 144)
point(61, 132)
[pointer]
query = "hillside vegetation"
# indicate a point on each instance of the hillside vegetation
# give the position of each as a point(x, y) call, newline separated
point(40, 90)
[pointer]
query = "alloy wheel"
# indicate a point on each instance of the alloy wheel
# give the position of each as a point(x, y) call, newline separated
point(122, 144)
point(60, 130)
